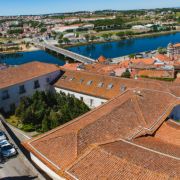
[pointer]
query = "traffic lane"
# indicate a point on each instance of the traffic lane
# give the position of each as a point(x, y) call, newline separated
point(15, 167)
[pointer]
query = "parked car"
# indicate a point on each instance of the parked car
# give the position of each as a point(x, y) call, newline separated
point(3, 142)
point(8, 150)
point(2, 136)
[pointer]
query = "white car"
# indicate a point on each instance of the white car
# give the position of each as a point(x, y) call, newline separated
point(2, 136)
point(8, 150)
point(3, 142)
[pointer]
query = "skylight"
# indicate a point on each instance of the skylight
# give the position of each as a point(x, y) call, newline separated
point(110, 86)
point(81, 80)
point(89, 82)
point(123, 88)
point(101, 84)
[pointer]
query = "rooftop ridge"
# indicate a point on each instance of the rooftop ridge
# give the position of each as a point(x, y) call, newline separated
point(104, 75)
point(97, 146)
point(157, 123)
point(138, 109)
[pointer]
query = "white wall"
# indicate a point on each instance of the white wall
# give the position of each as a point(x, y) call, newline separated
point(29, 87)
point(43, 167)
point(86, 98)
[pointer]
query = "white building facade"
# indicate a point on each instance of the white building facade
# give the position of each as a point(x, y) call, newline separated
point(10, 96)
point(90, 101)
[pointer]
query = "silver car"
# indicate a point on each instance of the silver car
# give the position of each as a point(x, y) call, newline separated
point(8, 150)
point(3, 142)
point(2, 136)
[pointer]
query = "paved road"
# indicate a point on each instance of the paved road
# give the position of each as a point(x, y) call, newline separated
point(17, 167)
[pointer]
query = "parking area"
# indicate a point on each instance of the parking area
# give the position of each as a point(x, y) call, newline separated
point(16, 167)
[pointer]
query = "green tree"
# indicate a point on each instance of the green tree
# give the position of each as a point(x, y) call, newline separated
point(162, 50)
point(105, 36)
point(120, 34)
point(87, 37)
point(46, 110)
point(45, 124)
point(66, 40)
point(131, 56)
point(43, 29)
point(126, 74)
point(92, 37)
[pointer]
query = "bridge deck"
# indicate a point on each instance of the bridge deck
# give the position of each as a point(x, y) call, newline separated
point(67, 53)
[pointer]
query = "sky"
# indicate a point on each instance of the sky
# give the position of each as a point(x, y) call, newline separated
point(27, 7)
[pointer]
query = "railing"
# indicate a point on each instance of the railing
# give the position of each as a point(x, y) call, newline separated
point(66, 53)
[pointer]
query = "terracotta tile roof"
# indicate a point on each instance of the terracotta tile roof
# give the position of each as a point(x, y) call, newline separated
point(71, 66)
point(77, 81)
point(177, 80)
point(121, 160)
point(176, 45)
point(159, 145)
point(25, 72)
point(73, 145)
point(156, 73)
point(103, 69)
point(175, 90)
point(147, 61)
point(162, 57)
point(169, 134)
point(101, 59)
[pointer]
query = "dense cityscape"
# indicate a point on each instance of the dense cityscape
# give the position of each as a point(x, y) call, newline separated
point(90, 94)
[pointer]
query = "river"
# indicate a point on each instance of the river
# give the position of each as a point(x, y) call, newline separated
point(126, 47)
point(108, 49)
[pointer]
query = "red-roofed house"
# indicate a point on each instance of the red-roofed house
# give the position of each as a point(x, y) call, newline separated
point(24, 80)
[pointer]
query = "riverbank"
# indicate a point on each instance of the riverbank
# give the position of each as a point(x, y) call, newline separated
point(109, 50)
point(125, 38)
point(31, 49)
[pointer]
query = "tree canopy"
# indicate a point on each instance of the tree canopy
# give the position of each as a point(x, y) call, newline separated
point(45, 110)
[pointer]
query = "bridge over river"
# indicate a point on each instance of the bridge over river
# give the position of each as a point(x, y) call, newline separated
point(66, 53)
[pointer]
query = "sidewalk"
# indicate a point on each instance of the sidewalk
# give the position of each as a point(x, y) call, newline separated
point(20, 166)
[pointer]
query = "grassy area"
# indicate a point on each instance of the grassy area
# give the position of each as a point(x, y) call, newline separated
point(7, 39)
point(178, 14)
point(15, 121)
point(160, 79)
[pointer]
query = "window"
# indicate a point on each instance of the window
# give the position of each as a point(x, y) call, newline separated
point(22, 89)
point(110, 86)
point(123, 88)
point(81, 80)
point(12, 107)
point(47, 80)
point(89, 82)
point(81, 98)
point(36, 84)
point(91, 102)
point(5, 95)
point(101, 84)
